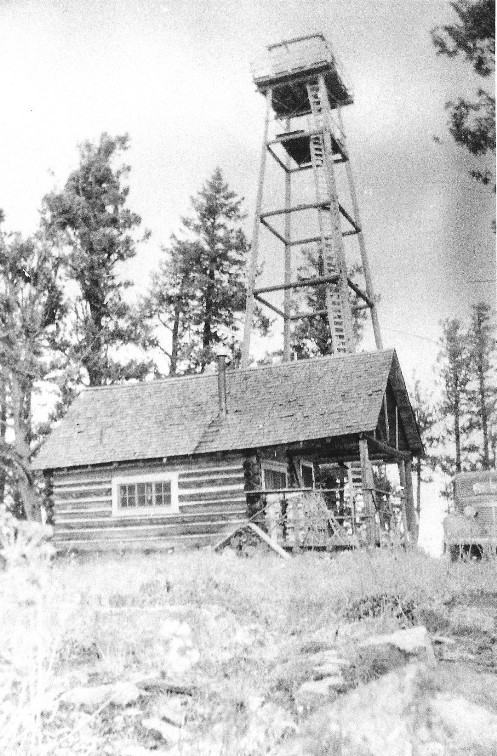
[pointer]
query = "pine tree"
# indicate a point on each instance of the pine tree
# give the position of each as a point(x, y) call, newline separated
point(482, 393)
point(91, 222)
point(170, 300)
point(199, 292)
point(472, 123)
point(31, 306)
point(454, 377)
point(426, 420)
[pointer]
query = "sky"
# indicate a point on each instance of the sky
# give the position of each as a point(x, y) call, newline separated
point(176, 76)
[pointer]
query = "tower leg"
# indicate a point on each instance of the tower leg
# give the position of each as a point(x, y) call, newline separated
point(362, 246)
point(288, 261)
point(249, 312)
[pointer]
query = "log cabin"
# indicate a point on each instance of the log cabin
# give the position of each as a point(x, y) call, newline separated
point(181, 460)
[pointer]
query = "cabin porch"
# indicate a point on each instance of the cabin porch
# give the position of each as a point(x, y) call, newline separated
point(349, 501)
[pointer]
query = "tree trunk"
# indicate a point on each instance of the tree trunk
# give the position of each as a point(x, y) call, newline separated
point(3, 429)
point(173, 365)
point(457, 425)
point(482, 396)
point(207, 331)
point(21, 390)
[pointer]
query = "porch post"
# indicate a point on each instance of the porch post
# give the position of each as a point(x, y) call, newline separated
point(412, 522)
point(409, 512)
point(367, 492)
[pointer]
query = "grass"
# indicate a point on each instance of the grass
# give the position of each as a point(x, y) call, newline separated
point(96, 620)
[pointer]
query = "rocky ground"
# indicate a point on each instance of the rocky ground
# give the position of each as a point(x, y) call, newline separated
point(143, 673)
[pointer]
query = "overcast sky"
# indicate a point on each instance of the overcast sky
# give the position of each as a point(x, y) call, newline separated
point(176, 76)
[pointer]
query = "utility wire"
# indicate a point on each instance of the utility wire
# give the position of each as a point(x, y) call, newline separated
point(414, 335)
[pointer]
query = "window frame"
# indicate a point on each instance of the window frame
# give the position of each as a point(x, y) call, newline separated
point(305, 463)
point(275, 466)
point(125, 480)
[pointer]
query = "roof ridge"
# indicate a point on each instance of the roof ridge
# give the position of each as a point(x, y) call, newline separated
point(282, 365)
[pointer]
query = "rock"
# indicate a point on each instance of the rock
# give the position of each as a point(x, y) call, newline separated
point(138, 750)
point(475, 726)
point(173, 628)
point(327, 664)
point(470, 619)
point(125, 693)
point(164, 730)
point(266, 727)
point(442, 640)
point(329, 669)
point(173, 712)
point(315, 692)
point(181, 654)
point(254, 703)
point(87, 697)
point(414, 642)
point(398, 715)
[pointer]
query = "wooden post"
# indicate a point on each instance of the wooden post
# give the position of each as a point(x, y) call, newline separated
point(351, 498)
point(408, 509)
point(249, 313)
point(362, 246)
point(288, 260)
point(367, 493)
point(412, 522)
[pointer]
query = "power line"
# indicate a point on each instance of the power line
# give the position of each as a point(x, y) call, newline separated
point(414, 335)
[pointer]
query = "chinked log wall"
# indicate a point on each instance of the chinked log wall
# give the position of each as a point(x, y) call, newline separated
point(211, 498)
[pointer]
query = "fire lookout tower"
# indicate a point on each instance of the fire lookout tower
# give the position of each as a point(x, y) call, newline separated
point(305, 90)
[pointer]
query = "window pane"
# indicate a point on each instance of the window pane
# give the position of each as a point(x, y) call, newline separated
point(158, 495)
point(131, 495)
point(146, 494)
point(123, 498)
point(166, 493)
point(307, 476)
point(274, 479)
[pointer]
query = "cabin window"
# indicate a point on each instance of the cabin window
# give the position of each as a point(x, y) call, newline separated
point(307, 474)
point(145, 494)
point(274, 476)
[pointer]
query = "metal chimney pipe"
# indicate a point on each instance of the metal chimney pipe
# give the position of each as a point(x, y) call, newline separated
point(221, 383)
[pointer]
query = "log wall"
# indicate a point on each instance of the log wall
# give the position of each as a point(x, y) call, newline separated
point(211, 498)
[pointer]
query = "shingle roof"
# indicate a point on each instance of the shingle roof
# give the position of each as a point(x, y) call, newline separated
point(298, 401)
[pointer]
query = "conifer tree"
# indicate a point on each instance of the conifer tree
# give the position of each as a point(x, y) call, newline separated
point(199, 292)
point(482, 390)
point(454, 378)
point(31, 306)
point(91, 222)
point(426, 420)
point(472, 122)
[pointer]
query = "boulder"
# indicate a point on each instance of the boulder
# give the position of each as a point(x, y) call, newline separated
point(466, 619)
point(173, 712)
point(88, 698)
point(316, 692)
point(414, 643)
point(124, 694)
point(400, 714)
point(181, 655)
point(162, 730)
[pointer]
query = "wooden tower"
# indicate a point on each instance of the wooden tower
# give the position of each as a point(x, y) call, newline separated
point(303, 134)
